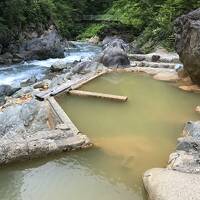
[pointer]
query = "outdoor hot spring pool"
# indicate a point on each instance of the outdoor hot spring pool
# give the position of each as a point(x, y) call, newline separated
point(129, 138)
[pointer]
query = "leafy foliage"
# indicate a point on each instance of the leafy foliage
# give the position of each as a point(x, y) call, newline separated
point(151, 19)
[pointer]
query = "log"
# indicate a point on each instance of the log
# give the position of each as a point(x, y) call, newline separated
point(98, 95)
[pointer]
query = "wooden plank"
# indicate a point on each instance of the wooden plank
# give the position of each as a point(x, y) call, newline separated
point(60, 89)
point(42, 95)
point(83, 82)
point(65, 87)
point(62, 115)
point(98, 95)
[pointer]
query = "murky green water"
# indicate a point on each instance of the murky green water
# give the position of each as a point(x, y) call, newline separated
point(129, 137)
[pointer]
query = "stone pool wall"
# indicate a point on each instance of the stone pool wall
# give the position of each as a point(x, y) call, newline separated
point(34, 130)
point(180, 180)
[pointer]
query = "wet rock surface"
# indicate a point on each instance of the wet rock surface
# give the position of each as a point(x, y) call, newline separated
point(187, 32)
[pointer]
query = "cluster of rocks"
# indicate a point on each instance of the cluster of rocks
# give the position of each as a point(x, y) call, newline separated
point(160, 55)
point(38, 47)
point(180, 180)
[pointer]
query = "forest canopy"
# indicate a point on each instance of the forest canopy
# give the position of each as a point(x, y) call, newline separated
point(152, 20)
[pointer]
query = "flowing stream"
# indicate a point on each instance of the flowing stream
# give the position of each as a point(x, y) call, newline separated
point(15, 74)
point(129, 138)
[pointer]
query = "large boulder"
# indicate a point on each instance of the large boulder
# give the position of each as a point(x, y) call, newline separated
point(112, 42)
point(21, 120)
point(186, 157)
point(187, 33)
point(86, 67)
point(163, 184)
point(48, 45)
point(114, 53)
point(114, 57)
point(32, 130)
point(59, 66)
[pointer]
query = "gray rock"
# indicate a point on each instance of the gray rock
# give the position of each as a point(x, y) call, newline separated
point(29, 81)
point(23, 91)
point(188, 162)
point(167, 76)
point(114, 42)
point(59, 80)
point(40, 144)
point(94, 40)
point(164, 184)
point(42, 84)
point(58, 66)
point(20, 120)
point(48, 45)
point(188, 143)
point(25, 133)
point(1, 48)
point(155, 58)
point(6, 58)
point(7, 90)
point(2, 100)
point(187, 33)
point(114, 57)
point(134, 48)
point(192, 129)
point(86, 67)
point(115, 53)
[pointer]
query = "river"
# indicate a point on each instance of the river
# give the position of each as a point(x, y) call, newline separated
point(15, 74)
